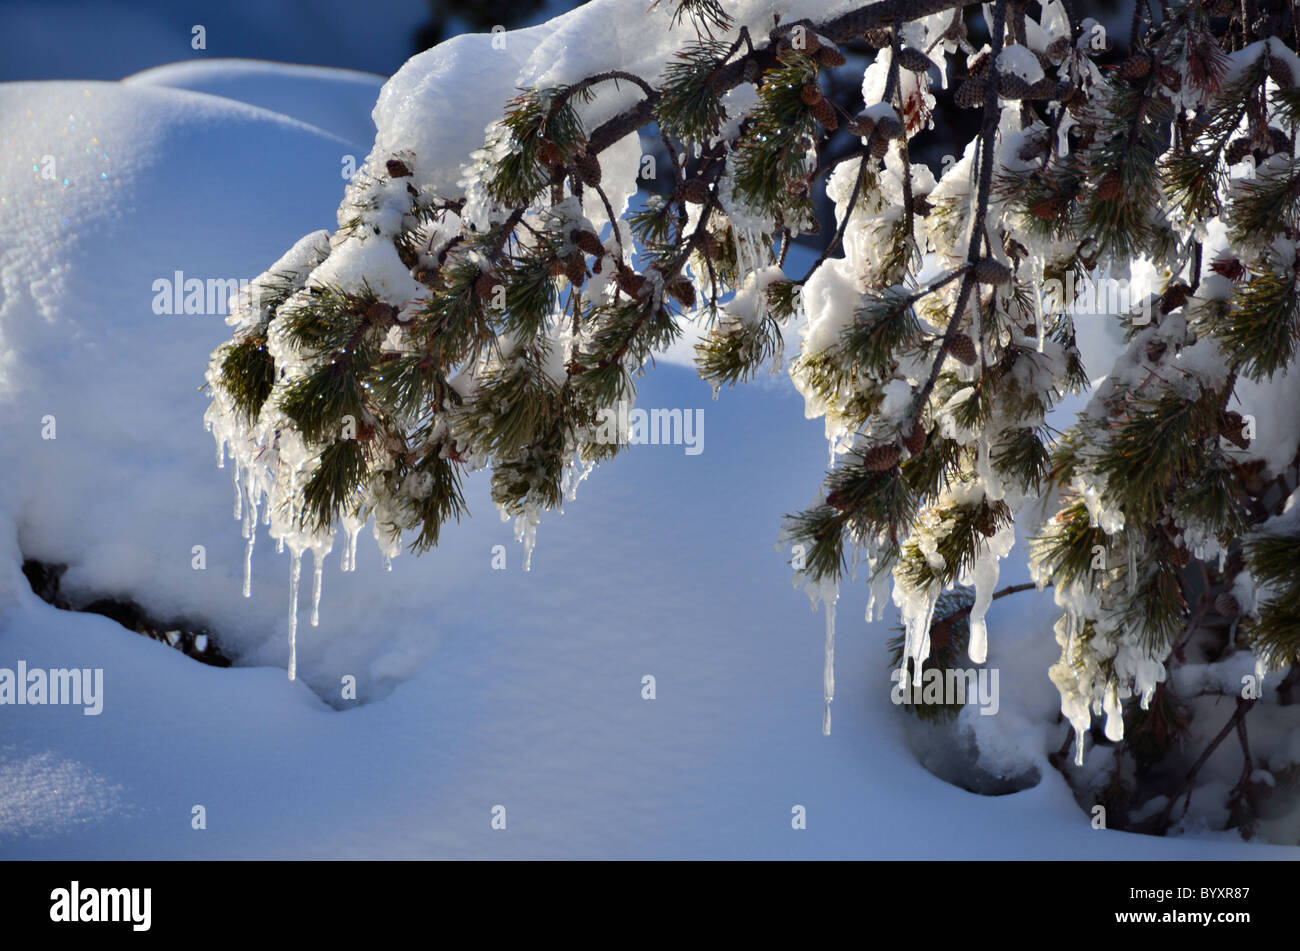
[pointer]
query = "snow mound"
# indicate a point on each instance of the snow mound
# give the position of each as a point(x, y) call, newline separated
point(335, 100)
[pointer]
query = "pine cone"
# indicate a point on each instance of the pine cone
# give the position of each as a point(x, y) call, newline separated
point(1109, 188)
point(1169, 78)
point(889, 127)
point(862, 124)
point(1278, 140)
point(548, 153)
point(913, 60)
point(979, 65)
point(588, 169)
point(1237, 149)
point(1227, 606)
point(880, 458)
point(485, 285)
point(1174, 296)
point(587, 241)
point(683, 291)
point(694, 191)
point(992, 271)
point(1280, 72)
point(1233, 429)
point(708, 244)
point(1011, 86)
point(397, 169)
point(830, 57)
point(879, 38)
point(427, 276)
point(971, 93)
point(824, 113)
point(877, 143)
point(1049, 209)
point(963, 348)
point(381, 314)
point(1058, 49)
point(1043, 89)
point(1068, 94)
point(1223, 8)
point(915, 440)
point(1137, 66)
point(811, 94)
point(631, 283)
point(575, 270)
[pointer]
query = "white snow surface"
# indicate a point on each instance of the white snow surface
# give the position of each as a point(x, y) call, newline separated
point(479, 687)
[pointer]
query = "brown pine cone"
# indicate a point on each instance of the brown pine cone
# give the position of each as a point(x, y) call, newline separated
point(811, 94)
point(588, 169)
point(1137, 66)
point(889, 127)
point(824, 113)
point(1237, 150)
point(963, 348)
point(1049, 209)
point(631, 283)
point(1043, 89)
point(397, 169)
point(1227, 606)
point(913, 60)
point(1058, 49)
point(708, 244)
point(1174, 296)
point(485, 286)
point(979, 65)
point(878, 39)
point(877, 143)
point(548, 153)
point(694, 191)
point(381, 314)
point(830, 57)
point(862, 124)
point(971, 93)
point(683, 291)
point(1169, 78)
point(1011, 86)
point(880, 458)
point(1280, 72)
point(915, 440)
point(992, 271)
point(1109, 188)
point(575, 270)
point(586, 241)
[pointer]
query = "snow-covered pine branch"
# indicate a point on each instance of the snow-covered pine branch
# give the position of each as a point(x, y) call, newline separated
point(492, 292)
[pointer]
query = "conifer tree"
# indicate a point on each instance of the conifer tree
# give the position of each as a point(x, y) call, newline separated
point(494, 326)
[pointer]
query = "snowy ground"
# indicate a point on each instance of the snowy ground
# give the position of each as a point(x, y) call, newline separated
point(480, 687)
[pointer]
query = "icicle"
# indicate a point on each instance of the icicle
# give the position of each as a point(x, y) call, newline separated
point(295, 575)
point(250, 533)
point(318, 564)
point(829, 597)
point(239, 496)
point(248, 565)
point(1039, 325)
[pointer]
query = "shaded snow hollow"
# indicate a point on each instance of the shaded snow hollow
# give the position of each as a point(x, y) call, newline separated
point(488, 687)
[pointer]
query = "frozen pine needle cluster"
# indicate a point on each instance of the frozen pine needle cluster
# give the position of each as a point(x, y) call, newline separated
point(481, 307)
